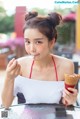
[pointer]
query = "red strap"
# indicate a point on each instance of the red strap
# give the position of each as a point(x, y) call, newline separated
point(55, 69)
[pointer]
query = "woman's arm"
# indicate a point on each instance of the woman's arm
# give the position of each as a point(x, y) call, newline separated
point(68, 97)
point(12, 70)
point(7, 93)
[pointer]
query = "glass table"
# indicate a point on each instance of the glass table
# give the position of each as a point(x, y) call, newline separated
point(40, 111)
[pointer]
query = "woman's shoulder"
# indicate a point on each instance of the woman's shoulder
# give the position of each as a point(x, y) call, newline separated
point(65, 63)
point(63, 59)
point(25, 59)
point(25, 63)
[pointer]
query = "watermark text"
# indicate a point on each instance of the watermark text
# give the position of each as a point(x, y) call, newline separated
point(66, 2)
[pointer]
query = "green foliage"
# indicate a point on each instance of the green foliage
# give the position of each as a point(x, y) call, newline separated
point(7, 24)
point(2, 10)
point(40, 11)
point(64, 11)
point(66, 33)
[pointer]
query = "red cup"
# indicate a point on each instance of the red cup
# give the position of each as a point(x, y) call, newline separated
point(69, 86)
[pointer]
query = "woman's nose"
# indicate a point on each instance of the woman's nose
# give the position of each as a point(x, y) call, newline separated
point(32, 48)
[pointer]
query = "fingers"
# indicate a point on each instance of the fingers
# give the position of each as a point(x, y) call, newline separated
point(13, 69)
point(70, 98)
point(75, 91)
point(17, 70)
point(68, 92)
point(12, 64)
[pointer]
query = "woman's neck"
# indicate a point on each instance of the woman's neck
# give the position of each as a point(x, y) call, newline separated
point(44, 63)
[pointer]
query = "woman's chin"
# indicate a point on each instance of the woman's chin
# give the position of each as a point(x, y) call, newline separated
point(36, 58)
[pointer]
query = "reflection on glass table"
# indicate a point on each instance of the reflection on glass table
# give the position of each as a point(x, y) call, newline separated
point(39, 111)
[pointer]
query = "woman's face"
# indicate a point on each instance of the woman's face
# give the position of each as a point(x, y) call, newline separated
point(36, 44)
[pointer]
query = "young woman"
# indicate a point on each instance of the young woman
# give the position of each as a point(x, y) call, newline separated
point(40, 36)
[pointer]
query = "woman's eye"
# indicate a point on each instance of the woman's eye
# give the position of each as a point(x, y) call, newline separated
point(27, 42)
point(39, 42)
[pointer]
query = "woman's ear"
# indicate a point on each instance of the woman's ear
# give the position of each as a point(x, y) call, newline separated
point(52, 43)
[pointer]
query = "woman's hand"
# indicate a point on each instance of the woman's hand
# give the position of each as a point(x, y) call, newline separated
point(68, 97)
point(13, 69)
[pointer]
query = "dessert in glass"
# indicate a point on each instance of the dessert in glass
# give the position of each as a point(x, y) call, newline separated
point(71, 80)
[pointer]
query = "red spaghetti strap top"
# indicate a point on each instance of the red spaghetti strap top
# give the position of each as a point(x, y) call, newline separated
point(54, 68)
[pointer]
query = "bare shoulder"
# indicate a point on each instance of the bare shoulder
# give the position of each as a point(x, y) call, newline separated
point(65, 64)
point(24, 61)
point(66, 61)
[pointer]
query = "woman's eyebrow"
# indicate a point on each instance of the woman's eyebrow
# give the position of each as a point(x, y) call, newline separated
point(38, 39)
point(26, 39)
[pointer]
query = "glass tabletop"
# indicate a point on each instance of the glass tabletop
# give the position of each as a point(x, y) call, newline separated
point(39, 111)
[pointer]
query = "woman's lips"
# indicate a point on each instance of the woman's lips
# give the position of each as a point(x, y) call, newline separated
point(36, 55)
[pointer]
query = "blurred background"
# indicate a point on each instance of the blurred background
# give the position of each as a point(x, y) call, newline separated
point(11, 25)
